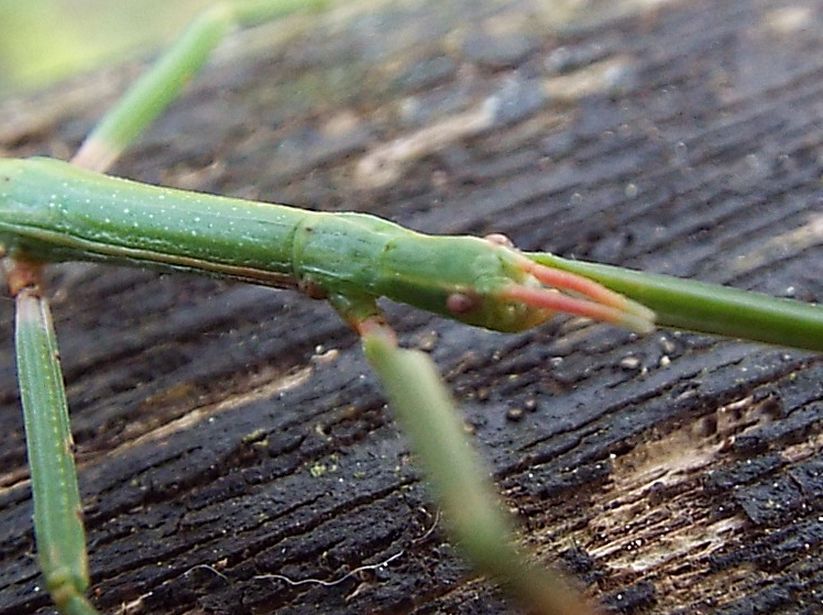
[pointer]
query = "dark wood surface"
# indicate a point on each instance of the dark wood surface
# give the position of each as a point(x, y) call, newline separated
point(232, 429)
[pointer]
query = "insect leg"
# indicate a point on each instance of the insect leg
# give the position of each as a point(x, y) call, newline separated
point(58, 524)
point(162, 83)
point(708, 308)
point(458, 479)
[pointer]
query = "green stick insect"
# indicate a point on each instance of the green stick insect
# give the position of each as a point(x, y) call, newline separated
point(57, 211)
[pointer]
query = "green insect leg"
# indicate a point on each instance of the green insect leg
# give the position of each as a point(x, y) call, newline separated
point(161, 85)
point(458, 479)
point(58, 524)
point(706, 308)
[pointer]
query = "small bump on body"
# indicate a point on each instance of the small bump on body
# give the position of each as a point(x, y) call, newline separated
point(460, 303)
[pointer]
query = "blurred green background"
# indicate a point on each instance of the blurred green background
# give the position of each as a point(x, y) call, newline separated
point(42, 41)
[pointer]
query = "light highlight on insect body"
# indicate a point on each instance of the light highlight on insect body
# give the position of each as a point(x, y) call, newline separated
point(52, 211)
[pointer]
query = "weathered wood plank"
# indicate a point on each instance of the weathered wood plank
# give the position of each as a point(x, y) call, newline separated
point(239, 428)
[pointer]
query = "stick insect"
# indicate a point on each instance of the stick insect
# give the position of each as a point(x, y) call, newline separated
point(53, 211)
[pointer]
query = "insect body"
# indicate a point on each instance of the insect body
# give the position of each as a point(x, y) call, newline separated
point(51, 210)
point(54, 211)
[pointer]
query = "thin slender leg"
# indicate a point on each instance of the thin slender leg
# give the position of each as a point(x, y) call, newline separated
point(460, 483)
point(58, 522)
point(162, 83)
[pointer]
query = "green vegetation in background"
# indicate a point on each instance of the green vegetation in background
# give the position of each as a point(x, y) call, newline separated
point(42, 41)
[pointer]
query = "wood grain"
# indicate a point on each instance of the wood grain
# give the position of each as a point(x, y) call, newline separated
point(237, 430)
